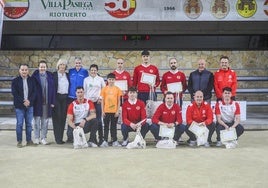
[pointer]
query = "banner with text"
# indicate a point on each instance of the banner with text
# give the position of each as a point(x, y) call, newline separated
point(136, 10)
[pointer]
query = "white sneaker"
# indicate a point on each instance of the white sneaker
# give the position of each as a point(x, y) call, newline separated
point(116, 144)
point(218, 144)
point(192, 143)
point(44, 142)
point(36, 141)
point(207, 145)
point(92, 145)
point(104, 144)
point(125, 142)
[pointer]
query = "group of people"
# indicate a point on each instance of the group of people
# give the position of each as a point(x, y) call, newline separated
point(83, 98)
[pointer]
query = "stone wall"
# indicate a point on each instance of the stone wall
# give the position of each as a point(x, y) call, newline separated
point(247, 63)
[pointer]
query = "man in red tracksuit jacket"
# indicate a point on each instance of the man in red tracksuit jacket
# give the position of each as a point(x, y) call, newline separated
point(225, 77)
point(145, 67)
point(173, 76)
point(168, 114)
point(200, 112)
point(133, 112)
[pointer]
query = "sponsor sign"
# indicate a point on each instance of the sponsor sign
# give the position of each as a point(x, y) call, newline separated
point(136, 10)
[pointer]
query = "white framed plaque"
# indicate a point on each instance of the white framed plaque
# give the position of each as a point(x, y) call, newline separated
point(175, 87)
point(196, 129)
point(148, 78)
point(122, 84)
point(228, 135)
point(167, 132)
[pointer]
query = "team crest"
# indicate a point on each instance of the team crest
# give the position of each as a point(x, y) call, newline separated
point(265, 5)
point(138, 107)
point(193, 8)
point(120, 8)
point(16, 9)
point(220, 8)
point(246, 8)
point(173, 112)
point(151, 71)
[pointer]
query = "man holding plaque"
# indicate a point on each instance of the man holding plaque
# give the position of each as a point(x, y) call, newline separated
point(201, 79)
point(174, 81)
point(122, 77)
point(168, 114)
point(133, 116)
point(228, 115)
point(201, 113)
point(146, 78)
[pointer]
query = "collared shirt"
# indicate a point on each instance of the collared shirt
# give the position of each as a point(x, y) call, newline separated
point(63, 83)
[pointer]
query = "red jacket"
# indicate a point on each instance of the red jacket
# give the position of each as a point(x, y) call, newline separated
point(133, 113)
point(151, 69)
point(166, 115)
point(169, 77)
point(202, 114)
point(224, 78)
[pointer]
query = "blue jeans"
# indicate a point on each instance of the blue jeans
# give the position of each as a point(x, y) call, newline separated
point(21, 116)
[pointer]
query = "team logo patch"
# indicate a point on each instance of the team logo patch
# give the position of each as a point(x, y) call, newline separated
point(246, 8)
point(138, 107)
point(173, 112)
point(120, 8)
point(16, 9)
point(265, 5)
point(151, 71)
point(193, 8)
point(220, 8)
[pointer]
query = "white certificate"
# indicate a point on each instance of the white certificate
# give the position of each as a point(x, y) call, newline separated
point(197, 130)
point(122, 84)
point(228, 135)
point(175, 87)
point(166, 132)
point(147, 78)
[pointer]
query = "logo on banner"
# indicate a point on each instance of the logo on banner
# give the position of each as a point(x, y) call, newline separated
point(120, 8)
point(266, 6)
point(193, 8)
point(246, 8)
point(16, 9)
point(220, 8)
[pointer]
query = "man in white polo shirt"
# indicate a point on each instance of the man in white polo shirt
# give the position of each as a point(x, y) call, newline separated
point(228, 114)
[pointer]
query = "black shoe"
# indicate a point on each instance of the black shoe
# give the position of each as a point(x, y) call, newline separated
point(60, 142)
point(19, 144)
point(69, 141)
point(30, 143)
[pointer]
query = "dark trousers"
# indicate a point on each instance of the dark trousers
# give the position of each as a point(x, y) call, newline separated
point(99, 118)
point(126, 129)
point(90, 126)
point(192, 136)
point(59, 113)
point(144, 96)
point(179, 130)
point(110, 121)
point(239, 129)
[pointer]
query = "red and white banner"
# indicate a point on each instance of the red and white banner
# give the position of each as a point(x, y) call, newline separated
point(136, 10)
